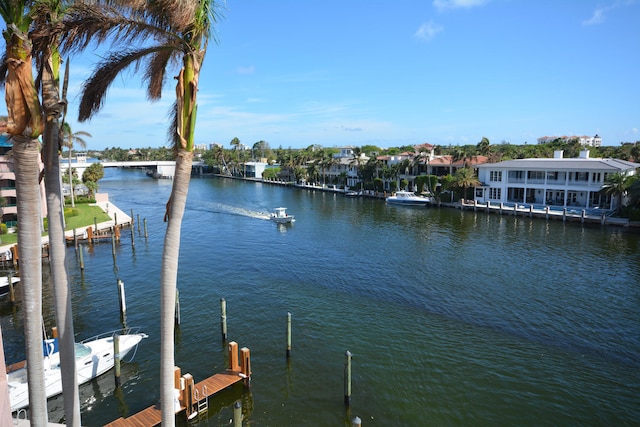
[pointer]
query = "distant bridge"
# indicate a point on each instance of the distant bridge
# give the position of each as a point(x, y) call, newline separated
point(157, 168)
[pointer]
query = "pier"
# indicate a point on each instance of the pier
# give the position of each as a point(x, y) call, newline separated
point(194, 398)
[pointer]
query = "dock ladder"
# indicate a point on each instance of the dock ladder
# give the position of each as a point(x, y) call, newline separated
point(202, 400)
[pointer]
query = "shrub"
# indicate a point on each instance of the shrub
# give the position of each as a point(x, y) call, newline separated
point(3, 228)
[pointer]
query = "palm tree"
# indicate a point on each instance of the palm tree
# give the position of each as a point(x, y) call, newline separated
point(465, 178)
point(24, 126)
point(168, 31)
point(47, 15)
point(70, 138)
point(616, 185)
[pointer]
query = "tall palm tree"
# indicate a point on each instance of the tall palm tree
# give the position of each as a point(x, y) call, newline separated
point(69, 139)
point(24, 126)
point(465, 178)
point(47, 16)
point(616, 185)
point(167, 31)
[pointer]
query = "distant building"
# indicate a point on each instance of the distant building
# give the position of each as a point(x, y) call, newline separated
point(585, 141)
point(574, 182)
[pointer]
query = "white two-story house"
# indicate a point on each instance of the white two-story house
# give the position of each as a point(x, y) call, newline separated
point(559, 181)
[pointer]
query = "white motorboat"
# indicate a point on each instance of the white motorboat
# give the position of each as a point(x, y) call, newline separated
point(408, 198)
point(281, 216)
point(4, 284)
point(94, 357)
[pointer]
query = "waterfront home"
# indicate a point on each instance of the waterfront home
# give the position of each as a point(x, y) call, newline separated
point(559, 181)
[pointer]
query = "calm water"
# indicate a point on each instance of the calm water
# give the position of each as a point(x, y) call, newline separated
point(453, 318)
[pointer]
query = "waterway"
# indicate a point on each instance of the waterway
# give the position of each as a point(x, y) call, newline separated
point(453, 317)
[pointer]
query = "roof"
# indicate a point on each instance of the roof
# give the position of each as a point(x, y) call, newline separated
point(573, 164)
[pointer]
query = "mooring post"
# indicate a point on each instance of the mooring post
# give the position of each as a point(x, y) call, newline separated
point(223, 318)
point(347, 378)
point(233, 356)
point(113, 241)
point(356, 422)
point(115, 219)
point(138, 223)
point(121, 297)
point(237, 414)
point(133, 242)
point(132, 221)
point(145, 228)
point(116, 358)
point(177, 313)
point(288, 334)
point(564, 214)
point(75, 240)
point(81, 258)
point(95, 224)
point(12, 292)
point(583, 216)
point(245, 365)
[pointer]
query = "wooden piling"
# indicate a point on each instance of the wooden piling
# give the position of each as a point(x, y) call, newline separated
point(81, 257)
point(116, 358)
point(288, 335)
point(75, 240)
point(347, 378)
point(223, 319)
point(115, 219)
point(95, 224)
point(233, 356)
point(133, 242)
point(138, 223)
point(356, 422)
point(132, 221)
point(113, 241)
point(177, 311)
point(145, 228)
point(12, 291)
point(564, 214)
point(121, 297)
point(245, 365)
point(237, 414)
point(54, 332)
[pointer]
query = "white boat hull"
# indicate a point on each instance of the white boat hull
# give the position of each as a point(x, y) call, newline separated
point(93, 358)
point(4, 284)
point(408, 198)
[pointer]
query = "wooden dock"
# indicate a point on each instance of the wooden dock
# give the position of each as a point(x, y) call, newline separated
point(194, 398)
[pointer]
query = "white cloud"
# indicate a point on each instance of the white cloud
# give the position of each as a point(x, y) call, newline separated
point(598, 14)
point(246, 70)
point(455, 4)
point(597, 18)
point(427, 31)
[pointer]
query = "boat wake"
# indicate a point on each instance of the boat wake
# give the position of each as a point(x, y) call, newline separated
point(234, 210)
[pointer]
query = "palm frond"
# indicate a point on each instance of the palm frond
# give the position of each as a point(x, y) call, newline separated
point(95, 88)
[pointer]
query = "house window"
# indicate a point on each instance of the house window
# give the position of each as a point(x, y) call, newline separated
point(596, 176)
point(582, 176)
point(535, 175)
point(552, 176)
point(495, 176)
point(495, 193)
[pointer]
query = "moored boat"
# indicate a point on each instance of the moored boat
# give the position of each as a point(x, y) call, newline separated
point(281, 216)
point(4, 284)
point(408, 198)
point(94, 357)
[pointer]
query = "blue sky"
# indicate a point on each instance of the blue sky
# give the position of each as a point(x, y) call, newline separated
point(295, 73)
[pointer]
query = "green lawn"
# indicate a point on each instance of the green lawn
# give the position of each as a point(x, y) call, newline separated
point(86, 215)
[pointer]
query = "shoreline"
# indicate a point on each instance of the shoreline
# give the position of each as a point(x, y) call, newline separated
point(102, 201)
point(501, 209)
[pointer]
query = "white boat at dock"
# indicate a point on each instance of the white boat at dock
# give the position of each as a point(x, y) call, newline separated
point(408, 198)
point(4, 284)
point(281, 216)
point(94, 357)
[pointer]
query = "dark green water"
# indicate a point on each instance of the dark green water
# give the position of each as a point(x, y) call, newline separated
point(453, 318)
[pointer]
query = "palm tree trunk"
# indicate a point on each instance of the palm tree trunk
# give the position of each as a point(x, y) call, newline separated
point(58, 251)
point(26, 154)
point(73, 196)
point(168, 281)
